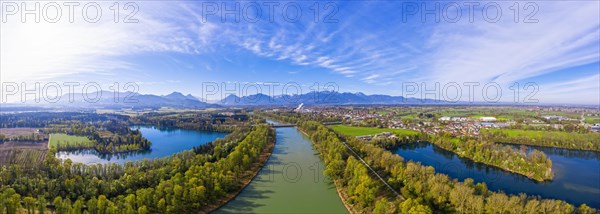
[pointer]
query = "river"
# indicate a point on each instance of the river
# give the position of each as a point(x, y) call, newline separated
point(291, 181)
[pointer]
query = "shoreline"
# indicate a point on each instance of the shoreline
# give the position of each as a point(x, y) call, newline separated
point(246, 179)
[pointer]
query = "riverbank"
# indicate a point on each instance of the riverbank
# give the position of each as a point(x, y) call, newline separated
point(246, 179)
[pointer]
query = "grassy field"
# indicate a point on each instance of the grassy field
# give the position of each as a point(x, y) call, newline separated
point(592, 119)
point(64, 141)
point(360, 131)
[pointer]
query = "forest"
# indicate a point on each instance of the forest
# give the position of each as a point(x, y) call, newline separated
point(189, 180)
point(424, 190)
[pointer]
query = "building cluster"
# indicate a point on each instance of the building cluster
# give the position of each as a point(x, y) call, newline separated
point(454, 125)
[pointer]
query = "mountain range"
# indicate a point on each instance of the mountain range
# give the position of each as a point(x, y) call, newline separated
point(319, 98)
point(107, 99)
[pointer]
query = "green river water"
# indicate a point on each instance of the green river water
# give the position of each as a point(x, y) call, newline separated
point(292, 181)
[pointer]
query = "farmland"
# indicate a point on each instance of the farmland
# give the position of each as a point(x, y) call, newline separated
point(28, 155)
point(592, 119)
point(65, 142)
point(361, 131)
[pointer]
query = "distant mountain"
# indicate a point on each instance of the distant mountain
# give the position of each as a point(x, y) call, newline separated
point(322, 98)
point(251, 100)
point(107, 99)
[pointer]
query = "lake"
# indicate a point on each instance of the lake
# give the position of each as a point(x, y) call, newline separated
point(291, 181)
point(576, 179)
point(165, 142)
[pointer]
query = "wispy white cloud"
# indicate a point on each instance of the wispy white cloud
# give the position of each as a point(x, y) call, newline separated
point(508, 51)
point(368, 45)
point(584, 90)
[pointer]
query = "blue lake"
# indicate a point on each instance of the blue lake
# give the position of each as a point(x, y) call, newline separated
point(576, 179)
point(165, 142)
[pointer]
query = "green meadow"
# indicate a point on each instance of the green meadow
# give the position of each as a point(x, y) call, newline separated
point(360, 131)
point(64, 141)
point(592, 119)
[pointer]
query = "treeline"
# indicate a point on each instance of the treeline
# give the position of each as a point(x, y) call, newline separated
point(566, 140)
point(296, 117)
point(33, 137)
point(184, 182)
point(44, 119)
point(192, 121)
point(425, 190)
point(535, 165)
point(578, 128)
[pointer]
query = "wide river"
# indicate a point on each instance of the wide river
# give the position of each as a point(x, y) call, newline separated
point(165, 142)
point(576, 179)
point(292, 181)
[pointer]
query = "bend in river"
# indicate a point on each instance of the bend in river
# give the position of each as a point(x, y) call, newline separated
point(291, 181)
point(576, 180)
point(165, 142)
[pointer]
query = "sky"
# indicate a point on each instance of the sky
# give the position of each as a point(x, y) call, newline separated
point(506, 51)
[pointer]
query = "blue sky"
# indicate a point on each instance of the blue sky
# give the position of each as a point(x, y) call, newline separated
point(372, 47)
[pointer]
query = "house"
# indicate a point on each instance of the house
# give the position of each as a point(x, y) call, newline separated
point(487, 119)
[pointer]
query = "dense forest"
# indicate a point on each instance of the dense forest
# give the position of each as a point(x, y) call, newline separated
point(425, 190)
point(185, 181)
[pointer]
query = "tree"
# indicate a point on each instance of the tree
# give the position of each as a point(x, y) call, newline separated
point(58, 205)
point(142, 210)
point(78, 206)
point(41, 206)
point(584, 209)
point(381, 206)
point(29, 204)
point(102, 204)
